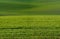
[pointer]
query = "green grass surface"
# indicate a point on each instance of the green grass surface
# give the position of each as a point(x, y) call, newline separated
point(30, 27)
point(29, 19)
point(42, 20)
point(29, 7)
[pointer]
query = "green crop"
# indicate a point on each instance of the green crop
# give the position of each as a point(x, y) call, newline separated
point(30, 27)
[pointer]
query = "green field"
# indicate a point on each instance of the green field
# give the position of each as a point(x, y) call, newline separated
point(29, 19)
point(30, 27)
point(29, 7)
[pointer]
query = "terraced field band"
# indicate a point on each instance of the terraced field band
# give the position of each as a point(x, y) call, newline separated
point(13, 33)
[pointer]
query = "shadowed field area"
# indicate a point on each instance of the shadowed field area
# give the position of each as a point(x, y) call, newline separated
point(29, 7)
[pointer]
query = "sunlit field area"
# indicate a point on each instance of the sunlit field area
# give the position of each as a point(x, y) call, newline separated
point(30, 27)
point(29, 19)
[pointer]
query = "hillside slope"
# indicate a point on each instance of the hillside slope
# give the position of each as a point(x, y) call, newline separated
point(29, 7)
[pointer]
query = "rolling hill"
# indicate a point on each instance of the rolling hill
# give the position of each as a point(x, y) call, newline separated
point(29, 7)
